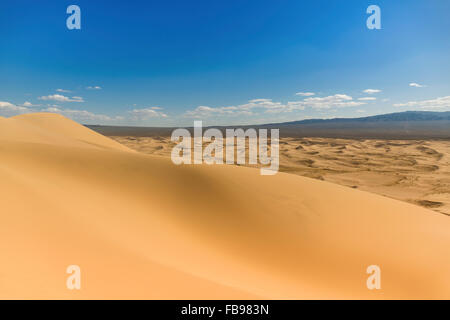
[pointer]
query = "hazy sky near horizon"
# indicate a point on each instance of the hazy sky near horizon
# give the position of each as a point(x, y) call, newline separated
point(168, 63)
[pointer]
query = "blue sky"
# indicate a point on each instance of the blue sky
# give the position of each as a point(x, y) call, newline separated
point(167, 63)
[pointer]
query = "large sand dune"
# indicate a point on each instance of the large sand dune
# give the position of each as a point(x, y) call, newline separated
point(141, 227)
point(415, 171)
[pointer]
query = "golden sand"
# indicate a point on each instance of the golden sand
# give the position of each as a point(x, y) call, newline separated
point(415, 171)
point(140, 227)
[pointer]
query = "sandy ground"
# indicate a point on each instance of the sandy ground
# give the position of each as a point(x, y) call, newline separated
point(140, 227)
point(415, 171)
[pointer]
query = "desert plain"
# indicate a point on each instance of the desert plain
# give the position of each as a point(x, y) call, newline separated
point(140, 227)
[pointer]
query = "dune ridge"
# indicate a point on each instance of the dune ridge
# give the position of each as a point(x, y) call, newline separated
point(53, 129)
point(414, 171)
point(142, 228)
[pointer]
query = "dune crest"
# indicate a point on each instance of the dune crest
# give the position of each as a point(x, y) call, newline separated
point(140, 227)
point(51, 128)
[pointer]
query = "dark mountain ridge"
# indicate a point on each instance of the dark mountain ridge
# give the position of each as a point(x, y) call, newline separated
point(399, 125)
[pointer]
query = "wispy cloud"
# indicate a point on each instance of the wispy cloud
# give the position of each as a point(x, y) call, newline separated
point(305, 94)
point(61, 98)
point(28, 104)
point(372, 91)
point(205, 111)
point(367, 99)
point(269, 106)
point(10, 109)
point(94, 88)
point(416, 85)
point(4, 105)
point(437, 103)
point(147, 113)
point(337, 100)
point(82, 115)
point(63, 91)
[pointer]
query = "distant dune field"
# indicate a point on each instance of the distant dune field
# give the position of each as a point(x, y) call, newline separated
point(140, 227)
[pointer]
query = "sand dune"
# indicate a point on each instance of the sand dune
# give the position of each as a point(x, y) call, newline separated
point(141, 227)
point(53, 129)
point(415, 171)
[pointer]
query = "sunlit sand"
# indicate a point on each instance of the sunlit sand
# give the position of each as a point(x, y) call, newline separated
point(140, 227)
point(414, 171)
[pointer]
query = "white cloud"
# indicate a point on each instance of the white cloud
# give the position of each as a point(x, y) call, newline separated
point(337, 100)
point(94, 88)
point(54, 109)
point(238, 110)
point(205, 111)
point(81, 115)
point(61, 98)
point(372, 91)
point(416, 85)
point(8, 105)
point(438, 103)
point(9, 109)
point(305, 94)
point(147, 113)
point(62, 90)
point(260, 101)
point(367, 99)
point(28, 104)
point(269, 106)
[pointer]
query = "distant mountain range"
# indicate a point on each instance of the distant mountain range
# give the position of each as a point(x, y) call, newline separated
point(400, 125)
point(398, 116)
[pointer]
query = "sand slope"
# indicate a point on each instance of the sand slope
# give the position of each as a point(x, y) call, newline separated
point(141, 227)
point(48, 128)
point(414, 171)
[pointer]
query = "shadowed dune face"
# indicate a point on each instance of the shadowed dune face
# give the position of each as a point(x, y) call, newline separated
point(140, 227)
point(415, 171)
